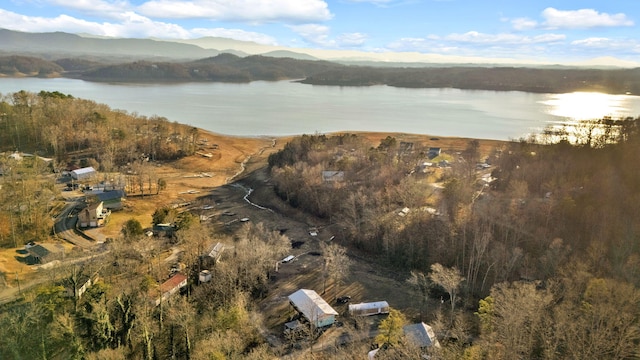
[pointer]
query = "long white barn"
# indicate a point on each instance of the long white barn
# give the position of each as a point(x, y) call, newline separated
point(313, 307)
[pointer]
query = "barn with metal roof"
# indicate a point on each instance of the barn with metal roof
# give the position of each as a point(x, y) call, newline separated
point(313, 307)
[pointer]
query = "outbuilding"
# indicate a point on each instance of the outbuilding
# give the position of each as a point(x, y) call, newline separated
point(204, 276)
point(313, 307)
point(44, 253)
point(370, 308)
point(112, 199)
point(421, 335)
point(83, 173)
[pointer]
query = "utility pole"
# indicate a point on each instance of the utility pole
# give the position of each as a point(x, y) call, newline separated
point(18, 280)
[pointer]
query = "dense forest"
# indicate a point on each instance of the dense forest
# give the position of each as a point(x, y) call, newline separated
point(534, 247)
point(232, 68)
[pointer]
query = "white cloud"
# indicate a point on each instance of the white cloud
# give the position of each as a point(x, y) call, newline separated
point(583, 18)
point(592, 42)
point(313, 33)
point(602, 44)
point(256, 11)
point(95, 7)
point(524, 24)
point(351, 39)
point(319, 35)
point(130, 24)
point(375, 2)
point(237, 34)
point(503, 38)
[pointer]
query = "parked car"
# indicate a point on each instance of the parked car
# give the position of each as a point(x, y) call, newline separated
point(344, 299)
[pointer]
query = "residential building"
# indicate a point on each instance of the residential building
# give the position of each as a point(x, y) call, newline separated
point(93, 215)
point(171, 286)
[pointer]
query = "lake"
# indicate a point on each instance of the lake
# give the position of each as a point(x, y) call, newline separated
point(289, 108)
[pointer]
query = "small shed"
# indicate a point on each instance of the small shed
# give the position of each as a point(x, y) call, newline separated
point(44, 253)
point(77, 289)
point(370, 308)
point(293, 327)
point(433, 152)
point(204, 276)
point(83, 173)
point(421, 335)
point(313, 307)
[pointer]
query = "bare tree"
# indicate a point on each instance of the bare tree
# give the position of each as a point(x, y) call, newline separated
point(449, 278)
point(421, 282)
point(336, 264)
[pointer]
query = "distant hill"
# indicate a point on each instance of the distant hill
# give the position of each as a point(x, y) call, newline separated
point(618, 81)
point(223, 67)
point(218, 43)
point(59, 44)
point(289, 54)
point(28, 66)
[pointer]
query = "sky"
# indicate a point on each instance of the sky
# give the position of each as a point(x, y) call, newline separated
point(559, 31)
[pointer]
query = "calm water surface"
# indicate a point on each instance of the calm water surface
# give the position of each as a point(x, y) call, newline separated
point(287, 108)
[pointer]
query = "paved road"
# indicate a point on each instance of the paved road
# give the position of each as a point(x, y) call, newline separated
point(65, 227)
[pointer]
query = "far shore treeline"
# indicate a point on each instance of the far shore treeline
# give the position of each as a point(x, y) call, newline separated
point(232, 68)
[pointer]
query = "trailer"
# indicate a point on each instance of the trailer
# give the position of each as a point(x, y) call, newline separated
point(370, 308)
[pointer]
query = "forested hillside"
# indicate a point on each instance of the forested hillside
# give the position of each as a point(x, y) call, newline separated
point(231, 68)
point(612, 81)
point(550, 247)
point(72, 132)
point(28, 66)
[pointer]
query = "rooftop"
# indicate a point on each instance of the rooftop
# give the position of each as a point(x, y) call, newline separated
point(172, 283)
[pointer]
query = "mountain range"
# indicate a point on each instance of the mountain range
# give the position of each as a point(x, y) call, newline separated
point(155, 61)
point(56, 45)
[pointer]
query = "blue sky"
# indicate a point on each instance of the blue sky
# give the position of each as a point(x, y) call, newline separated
point(540, 31)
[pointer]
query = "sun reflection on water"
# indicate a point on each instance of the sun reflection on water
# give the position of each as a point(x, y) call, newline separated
point(580, 112)
point(587, 105)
